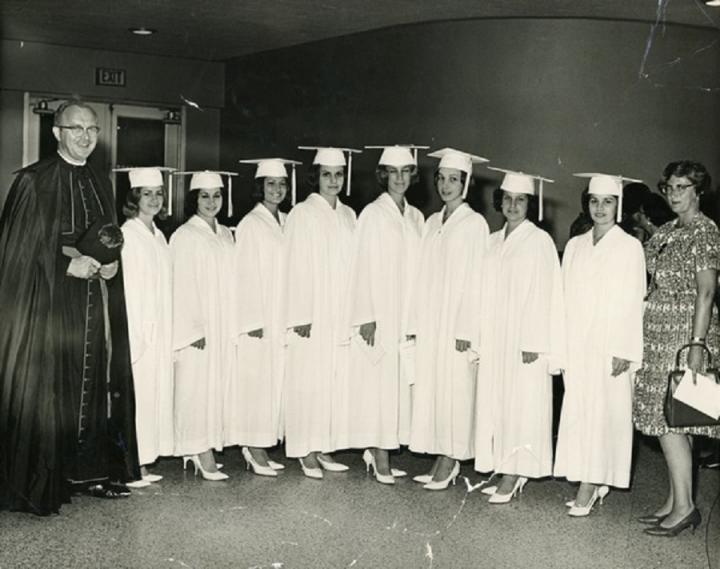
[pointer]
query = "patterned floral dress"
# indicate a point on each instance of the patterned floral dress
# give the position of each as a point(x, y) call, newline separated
point(673, 255)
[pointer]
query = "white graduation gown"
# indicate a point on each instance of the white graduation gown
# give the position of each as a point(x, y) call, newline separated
point(387, 249)
point(203, 302)
point(446, 308)
point(252, 405)
point(604, 287)
point(147, 274)
point(522, 308)
point(319, 242)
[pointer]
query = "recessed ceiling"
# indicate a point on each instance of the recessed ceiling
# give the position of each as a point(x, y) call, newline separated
point(219, 30)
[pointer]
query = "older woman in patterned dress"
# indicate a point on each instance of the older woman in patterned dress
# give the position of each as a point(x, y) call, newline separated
point(682, 258)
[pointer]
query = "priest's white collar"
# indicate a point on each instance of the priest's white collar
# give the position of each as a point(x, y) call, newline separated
point(71, 161)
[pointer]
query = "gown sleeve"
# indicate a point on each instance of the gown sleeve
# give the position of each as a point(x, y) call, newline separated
point(248, 248)
point(188, 319)
point(299, 268)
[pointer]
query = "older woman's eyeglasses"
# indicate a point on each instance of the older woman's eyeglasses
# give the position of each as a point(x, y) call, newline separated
point(77, 130)
point(678, 190)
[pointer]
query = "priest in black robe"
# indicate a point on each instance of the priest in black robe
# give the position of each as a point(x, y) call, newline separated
point(67, 418)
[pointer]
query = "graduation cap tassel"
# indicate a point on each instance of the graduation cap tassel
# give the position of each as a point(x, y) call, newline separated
point(618, 217)
point(349, 176)
point(170, 193)
point(540, 205)
point(467, 185)
point(230, 204)
point(293, 187)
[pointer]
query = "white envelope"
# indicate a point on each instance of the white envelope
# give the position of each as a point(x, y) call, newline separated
point(373, 353)
point(407, 360)
point(703, 396)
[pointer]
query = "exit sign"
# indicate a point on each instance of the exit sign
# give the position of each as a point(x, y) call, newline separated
point(109, 77)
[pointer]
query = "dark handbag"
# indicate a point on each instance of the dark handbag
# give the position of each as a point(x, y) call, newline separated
point(677, 414)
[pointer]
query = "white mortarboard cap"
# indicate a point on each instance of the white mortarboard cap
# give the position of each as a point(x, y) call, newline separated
point(333, 156)
point(399, 155)
point(607, 185)
point(522, 183)
point(150, 177)
point(275, 168)
point(210, 179)
point(458, 160)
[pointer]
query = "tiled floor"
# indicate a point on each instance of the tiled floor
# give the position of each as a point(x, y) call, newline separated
point(349, 520)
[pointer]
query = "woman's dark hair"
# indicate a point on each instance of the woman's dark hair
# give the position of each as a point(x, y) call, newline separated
point(533, 204)
point(313, 178)
point(634, 195)
point(131, 208)
point(693, 171)
point(381, 174)
point(463, 177)
point(191, 202)
point(657, 210)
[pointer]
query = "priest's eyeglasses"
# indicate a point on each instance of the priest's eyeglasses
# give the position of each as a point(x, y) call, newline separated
point(77, 131)
point(678, 190)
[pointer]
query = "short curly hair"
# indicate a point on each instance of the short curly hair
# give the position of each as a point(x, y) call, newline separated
point(696, 172)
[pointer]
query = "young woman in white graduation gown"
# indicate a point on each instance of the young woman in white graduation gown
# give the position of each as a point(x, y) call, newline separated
point(604, 283)
point(203, 255)
point(522, 342)
point(445, 320)
point(253, 403)
point(147, 273)
point(387, 247)
point(319, 240)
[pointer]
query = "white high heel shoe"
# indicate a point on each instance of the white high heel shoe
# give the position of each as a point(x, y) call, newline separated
point(604, 490)
point(257, 468)
point(315, 473)
point(422, 478)
point(142, 483)
point(207, 475)
point(152, 477)
point(369, 461)
point(505, 498)
point(443, 484)
point(332, 466)
point(580, 511)
point(276, 465)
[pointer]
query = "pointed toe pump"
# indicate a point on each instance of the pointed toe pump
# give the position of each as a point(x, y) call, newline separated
point(369, 461)
point(258, 469)
point(581, 511)
point(443, 484)
point(497, 498)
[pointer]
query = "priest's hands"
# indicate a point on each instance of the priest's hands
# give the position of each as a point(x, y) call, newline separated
point(462, 345)
point(109, 271)
point(303, 331)
point(529, 357)
point(82, 267)
point(367, 331)
point(199, 344)
point(619, 366)
point(256, 333)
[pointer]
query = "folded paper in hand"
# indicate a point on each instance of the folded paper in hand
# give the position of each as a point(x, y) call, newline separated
point(703, 396)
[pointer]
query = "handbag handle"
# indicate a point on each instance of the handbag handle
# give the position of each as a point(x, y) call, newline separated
point(703, 346)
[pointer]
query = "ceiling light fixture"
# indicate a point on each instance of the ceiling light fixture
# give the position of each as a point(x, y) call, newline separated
point(712, 2)
point(142, 31)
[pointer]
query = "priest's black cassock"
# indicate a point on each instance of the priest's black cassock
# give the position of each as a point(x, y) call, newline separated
point(66, 393)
